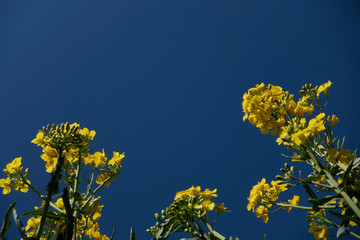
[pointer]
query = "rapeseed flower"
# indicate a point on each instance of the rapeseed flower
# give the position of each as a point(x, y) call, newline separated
point(262, 211)
point(333, 120)
point(324, 88)
point(319, 231)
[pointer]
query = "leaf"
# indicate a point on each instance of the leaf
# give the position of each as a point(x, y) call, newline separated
point(19, 224)
point(6, 223)
point(346, 175)
point(215, 233)
point(311, 194)
point(322, 201)
point(345, 217)
point(113, 233)
point(132, 234)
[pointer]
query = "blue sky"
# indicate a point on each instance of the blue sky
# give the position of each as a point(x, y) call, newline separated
point(163, 82)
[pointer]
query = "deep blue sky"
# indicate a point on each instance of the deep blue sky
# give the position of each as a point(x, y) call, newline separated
point(163, 82)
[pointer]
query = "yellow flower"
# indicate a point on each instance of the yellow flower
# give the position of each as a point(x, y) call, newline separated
point(294, 201)
point(264, 105)
point(256, 193)
point(316, 124)
point(96, 216)
point(88, 135)
point(6, 184)
point(188, 193)
point(100, 159)
point(262, 211)
point(207, 194)
point(116, 159)
point(333, 120)
point(319, 231)
point(344, 156)
point(221, 208)
point(303, 107)
point(324, 88)
point(204, 207)
point(39, 140)
point(50, 162)
point(299, 137)
point(102, 178)
point(277, 187)
point(14, 167)
point(20, 186)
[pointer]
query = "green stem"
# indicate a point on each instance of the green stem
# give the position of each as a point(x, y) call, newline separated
point(306, 208)
point(95, 191)
point(52, 186)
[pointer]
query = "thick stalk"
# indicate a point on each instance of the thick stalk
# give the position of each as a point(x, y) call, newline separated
point(51, 187)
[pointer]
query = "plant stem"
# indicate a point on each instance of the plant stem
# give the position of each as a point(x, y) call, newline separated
point(51, 187)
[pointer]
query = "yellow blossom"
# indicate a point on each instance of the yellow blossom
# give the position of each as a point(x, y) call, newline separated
point(102, 178)
point(6, 185)
point(316, 124)
point(324, 88)
point(343, 156)
point(20, 186)
point(14, 167)
point(333, 120)
point(39, 140)
point(221, 208)
point(207, 194)
point(319, 231)
point(262, 211)
point(116, 159)
point(294, 201)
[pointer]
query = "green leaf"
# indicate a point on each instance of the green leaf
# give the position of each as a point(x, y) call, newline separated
point(215, 233)
point(322, 201)
point(19, 224)
point(311, 194)
point(346, 175)
point(345, 217)
point(132, 234)
point(6, 223)
point(113, 233)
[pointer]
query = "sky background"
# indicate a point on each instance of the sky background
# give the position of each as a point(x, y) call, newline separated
point(162, 81)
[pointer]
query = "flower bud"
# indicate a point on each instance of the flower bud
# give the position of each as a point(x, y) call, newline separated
point(287, 166)
point(279, 177)
point(157, 216)
point(283, 170)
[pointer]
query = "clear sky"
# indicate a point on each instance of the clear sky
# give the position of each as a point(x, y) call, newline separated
point(163, 82)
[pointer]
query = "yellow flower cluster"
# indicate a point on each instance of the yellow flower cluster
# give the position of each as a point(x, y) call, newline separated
point(203, 205)
point(267, 107)
point(265, 195)
point(14, 178)
point(343, 156)
point(273, 110)
point(76, 153)
point(86, 225)
point(67, 146)
point(319, 231)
